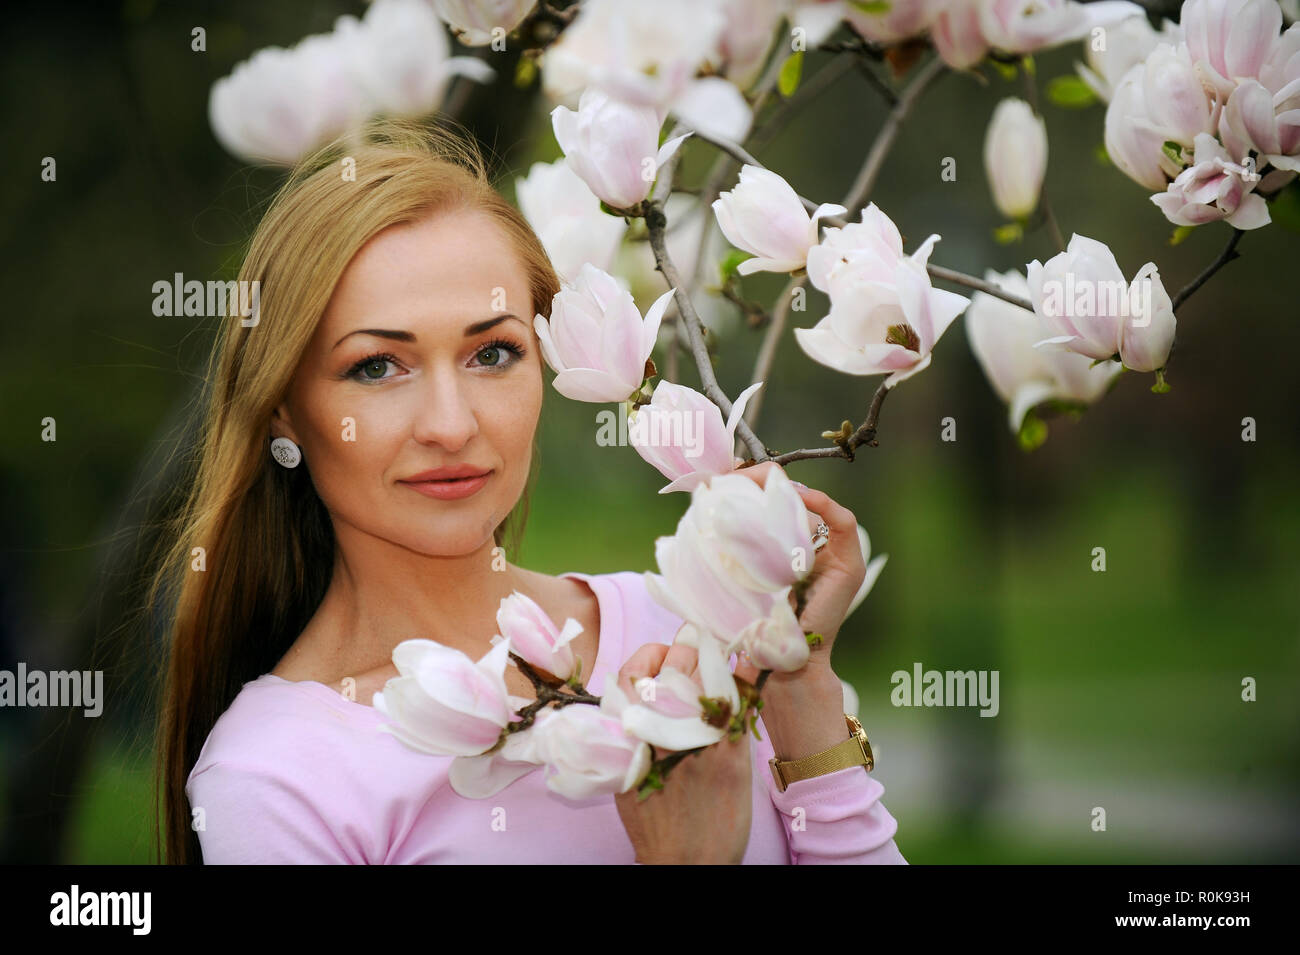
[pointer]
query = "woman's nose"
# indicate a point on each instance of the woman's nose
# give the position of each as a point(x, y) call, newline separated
point(445, 414)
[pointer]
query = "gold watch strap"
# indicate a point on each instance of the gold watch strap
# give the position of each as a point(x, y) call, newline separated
point(854, 751)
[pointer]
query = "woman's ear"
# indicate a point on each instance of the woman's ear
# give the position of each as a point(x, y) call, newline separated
point(282, 424)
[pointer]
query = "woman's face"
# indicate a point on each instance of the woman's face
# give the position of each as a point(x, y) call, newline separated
point(425, 358)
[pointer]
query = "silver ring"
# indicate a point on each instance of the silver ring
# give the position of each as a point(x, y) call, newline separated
point(822, 536)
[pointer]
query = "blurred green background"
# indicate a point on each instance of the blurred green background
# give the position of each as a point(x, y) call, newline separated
point(1119, 690)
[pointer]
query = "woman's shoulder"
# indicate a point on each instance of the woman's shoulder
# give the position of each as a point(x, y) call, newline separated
point(628, 612)
point(275, 726)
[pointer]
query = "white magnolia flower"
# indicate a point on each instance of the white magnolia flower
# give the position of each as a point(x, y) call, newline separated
point(765, 217)
point(473, 21)
point(567, 217)
point(595, 340)
point(613, 146)
point(1002, 337)
point(1015, 157)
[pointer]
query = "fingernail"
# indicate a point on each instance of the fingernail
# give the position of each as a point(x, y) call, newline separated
point(797, 484)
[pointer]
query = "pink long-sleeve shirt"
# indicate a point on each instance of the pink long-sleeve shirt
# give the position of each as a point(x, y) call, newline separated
point(293, 772)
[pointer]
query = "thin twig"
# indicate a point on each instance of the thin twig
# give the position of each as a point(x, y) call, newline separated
point(1227, 255)
point(767, 350)
point(870, 171)
point(970, 281)
point(865, 434)
point(656, 222)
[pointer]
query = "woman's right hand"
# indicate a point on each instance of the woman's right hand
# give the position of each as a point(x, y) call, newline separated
point(702, 815)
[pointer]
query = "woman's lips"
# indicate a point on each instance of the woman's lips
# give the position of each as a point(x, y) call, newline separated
point(449, 490)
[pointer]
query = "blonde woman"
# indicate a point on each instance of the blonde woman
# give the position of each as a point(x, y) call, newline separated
point(367, 446)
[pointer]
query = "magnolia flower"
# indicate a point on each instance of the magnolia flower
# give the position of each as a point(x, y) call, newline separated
point(595, 340)
point(1267, 122)
point(1015, 157)
point(1134, 141)
point(955, 32)
point(567, 217)
point(533, 636)
point(444, 703)
point(643, 53)
point(885, 316)
point(963, 31)
point(586, 750)
point(776, 641)
point(681, 433)
point(1082, 295)
point(1017, 26)
point(874, 567)
point(899, 20)
point(613, 146)
point(745, 40)
point(474, 20)
point(735, 554)
point(1002, 337)
point(1230, 39)
point(280, 104)
point(1128, 43)
point(649, 55)
point(757, 536)
point(402, 58)
point(766, 218)
point(477, 777)
point(1213, 188)
point(666, 710)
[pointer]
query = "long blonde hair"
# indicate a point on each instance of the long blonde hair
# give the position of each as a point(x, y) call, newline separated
point(267, 539)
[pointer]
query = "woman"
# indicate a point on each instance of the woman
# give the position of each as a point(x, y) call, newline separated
point(369, 436)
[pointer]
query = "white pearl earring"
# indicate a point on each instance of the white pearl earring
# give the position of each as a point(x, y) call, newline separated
point(285, 452)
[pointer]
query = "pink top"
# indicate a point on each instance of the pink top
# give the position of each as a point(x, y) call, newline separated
point(293, 772)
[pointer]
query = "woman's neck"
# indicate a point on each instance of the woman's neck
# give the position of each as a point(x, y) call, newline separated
point(381, 594)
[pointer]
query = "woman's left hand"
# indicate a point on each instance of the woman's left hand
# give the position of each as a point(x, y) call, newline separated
point(837, 573)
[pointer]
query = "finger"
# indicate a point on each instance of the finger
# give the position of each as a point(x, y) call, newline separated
point(746, 669)
point(648, 660)
point(837, 516)
point(683, 659)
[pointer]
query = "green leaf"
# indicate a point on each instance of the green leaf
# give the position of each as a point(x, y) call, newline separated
point(1070, 92)
point(1180, 232)
point(1033, 432)
point(1285, 207)
point(1008, 71)
point(525, 72)
point(872, 7)
point(788, 80)
point(1008, 233)
point(731, 262)
point(1173, 150)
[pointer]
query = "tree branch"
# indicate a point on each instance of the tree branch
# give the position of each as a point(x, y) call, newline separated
point(1227, 255)
point(870, 171)
point(656, 222)
point(970, 281)
point(846, 445)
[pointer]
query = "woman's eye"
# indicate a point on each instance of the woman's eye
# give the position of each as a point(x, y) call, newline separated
point(372, 368)
point(499, 354)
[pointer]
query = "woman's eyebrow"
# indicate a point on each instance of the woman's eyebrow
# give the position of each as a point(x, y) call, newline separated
point(401, 336)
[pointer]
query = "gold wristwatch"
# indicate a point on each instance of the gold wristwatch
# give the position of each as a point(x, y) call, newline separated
point(854, 751)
